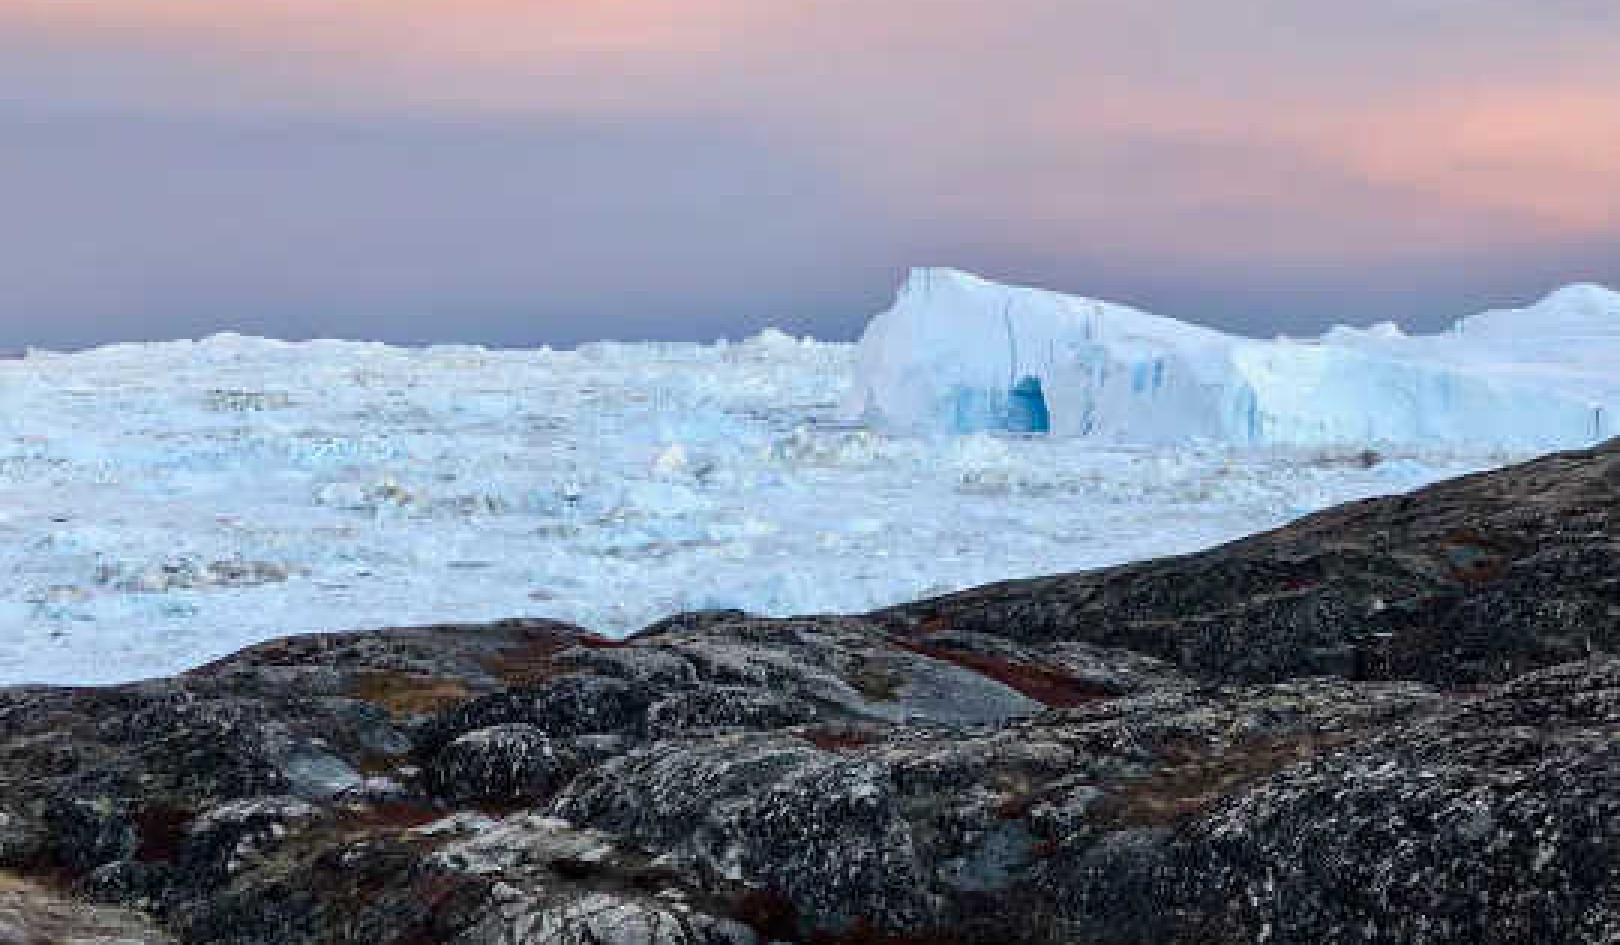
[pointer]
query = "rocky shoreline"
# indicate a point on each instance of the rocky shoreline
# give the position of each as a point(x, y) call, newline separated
point(1397, 721)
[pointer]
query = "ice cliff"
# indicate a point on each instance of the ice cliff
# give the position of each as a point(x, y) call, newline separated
point(957, 353)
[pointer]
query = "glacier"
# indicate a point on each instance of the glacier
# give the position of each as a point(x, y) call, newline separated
point(959, 354)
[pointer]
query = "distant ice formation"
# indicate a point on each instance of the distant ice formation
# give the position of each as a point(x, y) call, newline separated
point(959, 354)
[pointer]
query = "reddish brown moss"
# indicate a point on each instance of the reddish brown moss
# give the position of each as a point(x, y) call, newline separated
point(1044, 850)
point(535, 659)
point(405, 694)
point(1473, 559)
point(401, 815)
point(529, 662)
point(161, 829)
point(770, 914)
point(1195, 776)
point(595, 642)
point(1050, 687)
point(1017, 806)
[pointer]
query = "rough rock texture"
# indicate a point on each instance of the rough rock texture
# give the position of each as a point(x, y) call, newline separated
point(1393, 722)
point(1472, 580)
point(1497, 821)
point(30, 915)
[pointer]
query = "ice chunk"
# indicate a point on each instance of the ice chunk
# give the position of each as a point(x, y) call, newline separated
point(672, 462)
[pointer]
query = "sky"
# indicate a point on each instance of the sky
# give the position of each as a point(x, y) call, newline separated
point(520, 172)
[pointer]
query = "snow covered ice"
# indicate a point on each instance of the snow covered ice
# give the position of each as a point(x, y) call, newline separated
point(958, 354)
point(164, 504)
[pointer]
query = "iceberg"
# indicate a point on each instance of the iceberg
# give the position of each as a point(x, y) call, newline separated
point(960, 354)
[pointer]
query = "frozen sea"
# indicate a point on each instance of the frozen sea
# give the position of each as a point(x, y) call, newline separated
point(165, 504)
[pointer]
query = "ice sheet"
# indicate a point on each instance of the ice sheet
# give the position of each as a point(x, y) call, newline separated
point(161, 505)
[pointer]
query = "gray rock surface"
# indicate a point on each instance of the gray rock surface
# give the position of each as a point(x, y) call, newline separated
point(1476, 579)
point(32, 915)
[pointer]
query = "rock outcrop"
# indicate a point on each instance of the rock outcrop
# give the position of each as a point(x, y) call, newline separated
point(1394, 722)
point(1472, 580)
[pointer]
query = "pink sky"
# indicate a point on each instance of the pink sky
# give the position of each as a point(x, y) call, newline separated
point(1265, 155)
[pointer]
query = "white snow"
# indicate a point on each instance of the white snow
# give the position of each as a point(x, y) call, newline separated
point(949, 354)
point(165, 504)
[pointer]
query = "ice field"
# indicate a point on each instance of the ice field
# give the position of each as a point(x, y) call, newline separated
point(164, 504)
